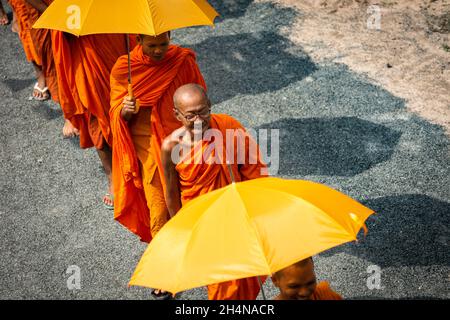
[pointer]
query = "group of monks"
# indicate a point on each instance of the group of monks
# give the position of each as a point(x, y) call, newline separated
point(136, 135)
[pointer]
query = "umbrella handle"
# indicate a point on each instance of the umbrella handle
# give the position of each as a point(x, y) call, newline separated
point(131, 95)
point(262, 288)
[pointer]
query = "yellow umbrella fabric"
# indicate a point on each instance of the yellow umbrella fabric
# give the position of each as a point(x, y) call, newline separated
point(246, 229)
point(151, 17)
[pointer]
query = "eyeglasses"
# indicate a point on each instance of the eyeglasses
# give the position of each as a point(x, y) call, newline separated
point(191, 117)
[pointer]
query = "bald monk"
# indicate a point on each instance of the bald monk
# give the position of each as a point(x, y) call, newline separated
point(83, 66)
point(199, 171)
point(158, 69)
point(298, 282)
point(37, 47)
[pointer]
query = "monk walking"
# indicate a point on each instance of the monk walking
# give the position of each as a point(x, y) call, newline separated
point(42, 43)
point(158, 69)
point(83, 66)
point(298, 282)
point(202, 166)
point(37, 46)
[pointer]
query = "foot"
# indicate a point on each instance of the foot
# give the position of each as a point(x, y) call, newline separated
point(161, 294)
point(15, 25)
point(3, 18)
point(69, 131)
point(40, 91)
point(108, 201)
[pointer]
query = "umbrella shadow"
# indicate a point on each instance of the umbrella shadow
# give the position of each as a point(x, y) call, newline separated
point(343, 146)
point(230, 8)
point(16, 85)
point(408, 230)
point(250, 64)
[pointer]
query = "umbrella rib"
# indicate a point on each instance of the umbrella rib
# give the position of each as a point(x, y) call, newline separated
point(253, 228)
point(203, 13)
point(298, 199)
point(87, 14)
point(190, 238)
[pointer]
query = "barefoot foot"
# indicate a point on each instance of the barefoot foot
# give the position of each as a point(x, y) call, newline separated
point(69, 131)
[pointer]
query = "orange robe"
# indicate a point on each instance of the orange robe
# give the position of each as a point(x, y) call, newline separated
point(324, 292)
point(25, 14)
point(83, 66)
point(137, 145)
point(37, 43)
point(198, 177)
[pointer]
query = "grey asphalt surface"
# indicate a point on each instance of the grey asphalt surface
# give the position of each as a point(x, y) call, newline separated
point(336, 128)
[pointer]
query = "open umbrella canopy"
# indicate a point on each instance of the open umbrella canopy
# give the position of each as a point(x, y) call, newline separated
point(247, 229)
point(151, 17)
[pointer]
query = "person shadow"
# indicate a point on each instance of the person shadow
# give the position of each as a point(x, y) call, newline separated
point(341, 146)
point(407, 230)
point(249, 63)
point(16, 85)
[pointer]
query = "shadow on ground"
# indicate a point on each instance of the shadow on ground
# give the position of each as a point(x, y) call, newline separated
point(407, 230)
point(249, 64)
point(19, 84)
point(47, 112)
point(343, 146)
point(230, 8)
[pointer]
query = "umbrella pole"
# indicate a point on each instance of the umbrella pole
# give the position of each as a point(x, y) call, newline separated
point(129, 62)
point(231, 172)
point(262, 289)
point(130, 88)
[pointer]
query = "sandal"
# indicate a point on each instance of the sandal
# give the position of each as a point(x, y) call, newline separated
point(108, 206)
point(44, 92)
point(161, 295)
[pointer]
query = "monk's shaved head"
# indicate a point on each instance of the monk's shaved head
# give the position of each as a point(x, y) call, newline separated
point(154, 47)
point(188, 94)
point(192, 107)
point(297, 281)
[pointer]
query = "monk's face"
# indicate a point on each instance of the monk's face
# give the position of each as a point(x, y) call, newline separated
point(194, 111)
point(155, 47)
point(296, 282)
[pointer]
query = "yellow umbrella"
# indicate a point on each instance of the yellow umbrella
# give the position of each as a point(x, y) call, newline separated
point(247, 229)
point(150, 17)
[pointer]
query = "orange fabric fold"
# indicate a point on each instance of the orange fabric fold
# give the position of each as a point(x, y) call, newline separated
point(324, 292)
point(154, 84)
point(200, 173)
point(83, 65)
point(25, 15)
point(200, 178)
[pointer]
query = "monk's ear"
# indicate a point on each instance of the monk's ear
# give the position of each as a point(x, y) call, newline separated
point(176, 114)
point(139, 38)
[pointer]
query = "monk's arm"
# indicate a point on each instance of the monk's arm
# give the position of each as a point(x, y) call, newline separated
point(173, 199)
point(39, 5)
